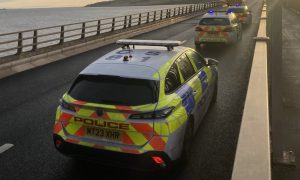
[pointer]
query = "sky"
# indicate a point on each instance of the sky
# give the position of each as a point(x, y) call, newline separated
point(10, 4)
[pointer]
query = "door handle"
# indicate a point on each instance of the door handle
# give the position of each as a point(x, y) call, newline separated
point(195, 93)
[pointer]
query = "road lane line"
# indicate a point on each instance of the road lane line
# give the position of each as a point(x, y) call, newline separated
point(5, 147)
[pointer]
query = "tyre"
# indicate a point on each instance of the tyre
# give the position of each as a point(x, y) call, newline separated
point(215, 95)
point(187, 143)
point(197, 46)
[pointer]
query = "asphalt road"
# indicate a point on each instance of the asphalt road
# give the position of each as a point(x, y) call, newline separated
point(29, 100)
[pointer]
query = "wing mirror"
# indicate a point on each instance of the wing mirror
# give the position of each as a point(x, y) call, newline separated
point(211, 62)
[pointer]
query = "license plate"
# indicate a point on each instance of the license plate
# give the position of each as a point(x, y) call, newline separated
point(104, 133)
point(213, 32)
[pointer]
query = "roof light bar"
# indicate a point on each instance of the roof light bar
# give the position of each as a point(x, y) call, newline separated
point(166, 43)
point(211, 12)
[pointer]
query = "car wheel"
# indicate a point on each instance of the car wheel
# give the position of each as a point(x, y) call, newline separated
point(197, 46)
point(215, 95)
point(187, 143)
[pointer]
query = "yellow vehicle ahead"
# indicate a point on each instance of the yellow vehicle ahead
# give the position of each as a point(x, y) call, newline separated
point(218, 27)
point(242, 12)
point(138, 106)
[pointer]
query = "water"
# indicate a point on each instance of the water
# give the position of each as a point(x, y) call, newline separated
point(14, 20)
point(24, 19)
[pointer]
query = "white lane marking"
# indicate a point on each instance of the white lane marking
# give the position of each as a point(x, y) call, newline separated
point(5, 147)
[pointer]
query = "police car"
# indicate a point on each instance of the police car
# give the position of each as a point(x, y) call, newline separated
point(242, 12)
point(218, 27)
point(138, 106)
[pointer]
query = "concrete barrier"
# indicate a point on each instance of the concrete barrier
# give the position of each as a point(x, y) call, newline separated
point(252, 160)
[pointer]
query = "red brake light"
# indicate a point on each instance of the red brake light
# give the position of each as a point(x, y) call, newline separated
point(198, 28)
point(229, 29)
point(58, 143)
point(67, 106)
point(158, 160)
point(245, 14)
point(159, 114)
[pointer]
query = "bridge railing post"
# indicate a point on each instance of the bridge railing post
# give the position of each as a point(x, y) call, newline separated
point(20, 43)
point(98, 27)
point(34, 40)
point(154, 16)
point(113, 24)
point(83, 31)
point(140, 19)
point(130, 21)
point(148, 14)
point(125, 22)
point(62, 35)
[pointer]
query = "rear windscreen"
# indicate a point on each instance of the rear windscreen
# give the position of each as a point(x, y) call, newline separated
point(237, 10)
point(113, 90)
point(215, 21)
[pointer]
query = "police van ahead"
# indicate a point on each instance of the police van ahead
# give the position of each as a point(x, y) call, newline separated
point(138, 106)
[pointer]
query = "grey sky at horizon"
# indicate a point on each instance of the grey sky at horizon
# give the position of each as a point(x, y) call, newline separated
point(11, 4)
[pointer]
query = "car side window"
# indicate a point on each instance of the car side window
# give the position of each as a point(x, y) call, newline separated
point(196, 58)
point(172, 81)
point(185, 67)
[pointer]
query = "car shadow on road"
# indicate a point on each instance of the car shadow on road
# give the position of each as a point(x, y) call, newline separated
point(88, 170)
point(210, 50)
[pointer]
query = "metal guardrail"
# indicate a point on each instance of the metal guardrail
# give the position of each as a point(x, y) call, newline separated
point(253, 156)
point(16, 43)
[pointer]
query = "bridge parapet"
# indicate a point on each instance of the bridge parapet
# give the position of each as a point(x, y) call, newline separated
point(252, 160)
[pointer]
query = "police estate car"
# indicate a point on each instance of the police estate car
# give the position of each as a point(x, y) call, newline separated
point(137, 106)
point(218, 27)
point(242, 12)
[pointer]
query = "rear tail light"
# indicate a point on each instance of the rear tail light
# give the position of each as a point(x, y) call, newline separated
point(159, 114)
point(198, 28)
point(58, 143)
point(159, 161)
point(229, 29)
point(67, 106)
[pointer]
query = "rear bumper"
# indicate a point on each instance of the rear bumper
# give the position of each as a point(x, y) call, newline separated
point(212, 40)
point(110, 158)
point(245, 20)
point(230, 37)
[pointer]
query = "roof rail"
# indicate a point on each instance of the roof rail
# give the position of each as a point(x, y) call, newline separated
point(169, 44)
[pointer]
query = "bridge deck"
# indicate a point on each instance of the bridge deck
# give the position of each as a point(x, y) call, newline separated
point(29, 100)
